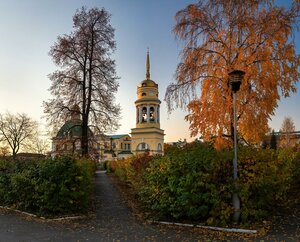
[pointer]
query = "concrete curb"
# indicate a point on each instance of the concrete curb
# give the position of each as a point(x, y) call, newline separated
point(43, 218)
point(232, 230)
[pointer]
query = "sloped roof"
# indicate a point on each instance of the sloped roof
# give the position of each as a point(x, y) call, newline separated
point(118, 136)
point(73, 128)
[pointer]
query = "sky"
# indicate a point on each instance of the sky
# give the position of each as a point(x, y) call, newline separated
point(28, 28)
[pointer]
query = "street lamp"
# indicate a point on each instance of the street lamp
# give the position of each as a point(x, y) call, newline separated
point(236, 77)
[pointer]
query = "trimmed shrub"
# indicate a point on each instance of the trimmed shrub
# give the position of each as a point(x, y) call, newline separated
point(47, 187)
point(265, 177)
point(187, 184)
point(195, 182)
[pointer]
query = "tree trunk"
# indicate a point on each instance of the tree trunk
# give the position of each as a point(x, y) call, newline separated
point(85, 138)
point(14, 155)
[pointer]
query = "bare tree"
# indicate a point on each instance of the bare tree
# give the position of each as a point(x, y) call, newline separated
point(87, 76)
point(287, 128)
point(15, 130)
point(38, 145)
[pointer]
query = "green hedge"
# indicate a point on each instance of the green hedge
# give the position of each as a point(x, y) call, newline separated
point(190, 183)
point(195, 182)
point(48, 187)
point(265, 178)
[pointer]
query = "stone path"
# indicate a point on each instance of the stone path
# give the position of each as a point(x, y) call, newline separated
point(113, 222)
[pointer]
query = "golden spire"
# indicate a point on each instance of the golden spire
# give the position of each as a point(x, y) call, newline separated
point(148, 66)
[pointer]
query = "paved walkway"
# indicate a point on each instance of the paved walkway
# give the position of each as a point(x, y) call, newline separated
point(113, 222)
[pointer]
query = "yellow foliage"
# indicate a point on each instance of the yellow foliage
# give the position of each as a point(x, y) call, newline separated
point(221, 36)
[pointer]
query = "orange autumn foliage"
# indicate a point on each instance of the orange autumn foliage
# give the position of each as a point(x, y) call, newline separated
point(254, 36)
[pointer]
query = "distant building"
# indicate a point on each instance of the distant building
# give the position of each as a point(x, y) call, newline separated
point(290, 139)
point(68, 138)
point(30, 156)
point(115, 147)
point(147, 136)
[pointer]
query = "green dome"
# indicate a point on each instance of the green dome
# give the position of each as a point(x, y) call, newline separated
point(148, 83)
point(72, 128)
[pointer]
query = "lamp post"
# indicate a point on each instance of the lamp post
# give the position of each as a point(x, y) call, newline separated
point(236, 77)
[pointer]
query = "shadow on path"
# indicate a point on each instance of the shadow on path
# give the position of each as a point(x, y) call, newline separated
point(114, 220)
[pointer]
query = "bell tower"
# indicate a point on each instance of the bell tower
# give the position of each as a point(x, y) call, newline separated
point(147, 136)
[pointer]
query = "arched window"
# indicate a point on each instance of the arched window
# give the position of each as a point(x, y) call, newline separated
point(152, 114)
point(143, 94)
point(143, 146)
point(159, 148)
point(144, 114)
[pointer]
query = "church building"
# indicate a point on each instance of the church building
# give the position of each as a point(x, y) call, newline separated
point(68, 138)
point(147, 136)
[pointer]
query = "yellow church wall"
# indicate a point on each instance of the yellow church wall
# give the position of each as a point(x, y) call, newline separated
point(147, 93)
point(152, 139)
point(147, 125)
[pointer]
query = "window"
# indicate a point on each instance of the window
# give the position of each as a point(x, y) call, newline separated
point(143, 146)
point(143, 94)
point(159, 148)
point(152, 114)
point(144, 114)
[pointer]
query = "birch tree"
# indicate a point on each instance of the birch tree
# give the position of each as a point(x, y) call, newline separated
point(287, 128)
point(219, 36)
